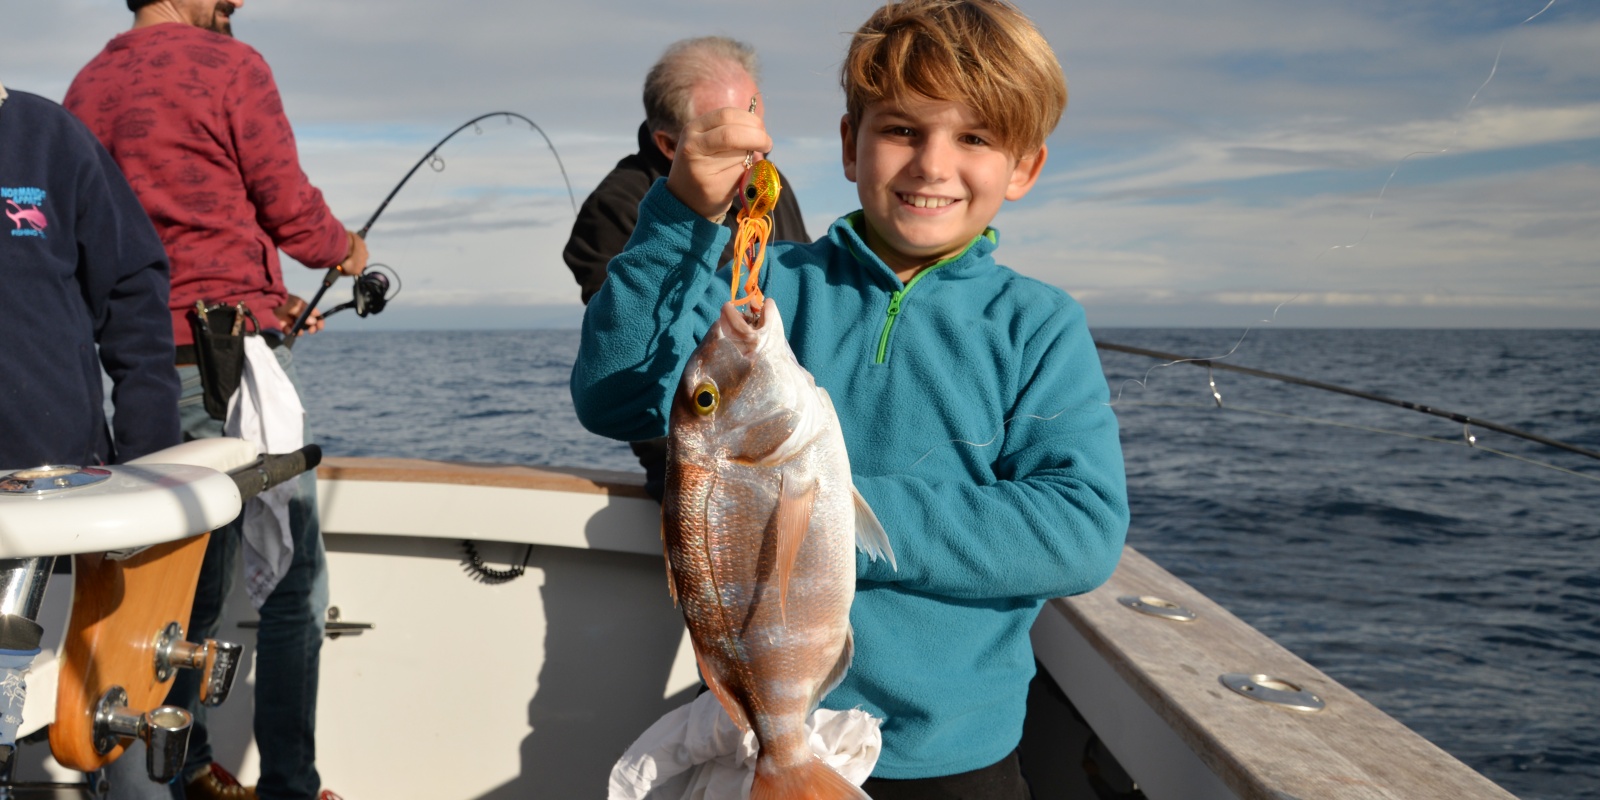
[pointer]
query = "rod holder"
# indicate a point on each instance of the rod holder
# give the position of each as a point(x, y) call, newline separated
point(1273, 691)
point(1157, 607)
point(164, 731)
point(218, 660)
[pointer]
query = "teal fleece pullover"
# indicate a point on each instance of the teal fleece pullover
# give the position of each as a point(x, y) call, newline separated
point(979, 430)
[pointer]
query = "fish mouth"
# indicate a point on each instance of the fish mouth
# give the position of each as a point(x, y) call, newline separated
point(745, 328)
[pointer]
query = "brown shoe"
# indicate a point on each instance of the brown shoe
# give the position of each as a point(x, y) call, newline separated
point(216, 784)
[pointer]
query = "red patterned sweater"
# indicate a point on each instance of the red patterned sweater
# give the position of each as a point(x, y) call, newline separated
point(195, 121)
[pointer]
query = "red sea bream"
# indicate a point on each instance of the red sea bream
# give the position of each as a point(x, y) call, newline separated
point(761, 524)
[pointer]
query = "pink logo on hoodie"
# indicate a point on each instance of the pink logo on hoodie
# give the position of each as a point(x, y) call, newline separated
point(25, 215)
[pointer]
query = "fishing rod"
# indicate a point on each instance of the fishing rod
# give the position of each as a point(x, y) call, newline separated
point(1329, 387)
point(377, 287)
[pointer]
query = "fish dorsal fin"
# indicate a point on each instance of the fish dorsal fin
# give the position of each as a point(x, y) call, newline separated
point(870, 536)
point(790, 522)
point(720, 690)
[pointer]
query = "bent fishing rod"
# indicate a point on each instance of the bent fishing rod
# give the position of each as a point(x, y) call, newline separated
point(371, 294)
point(1453, 416)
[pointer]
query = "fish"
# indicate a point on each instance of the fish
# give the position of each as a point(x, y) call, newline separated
point(760, 524)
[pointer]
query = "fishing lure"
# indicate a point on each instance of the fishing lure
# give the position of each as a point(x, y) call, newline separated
point(755, 229)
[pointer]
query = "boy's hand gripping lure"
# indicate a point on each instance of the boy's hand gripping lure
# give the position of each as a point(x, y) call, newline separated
point(755, 228)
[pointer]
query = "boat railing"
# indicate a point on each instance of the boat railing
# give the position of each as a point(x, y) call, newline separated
point(1179, 689)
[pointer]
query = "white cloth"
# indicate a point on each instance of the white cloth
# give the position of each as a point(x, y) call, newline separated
point(266, 411)
point(695, 752)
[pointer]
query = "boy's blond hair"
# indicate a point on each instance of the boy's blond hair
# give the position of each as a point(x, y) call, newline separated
point(985, 54)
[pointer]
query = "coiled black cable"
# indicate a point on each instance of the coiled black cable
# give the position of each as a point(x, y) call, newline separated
point(483, 573)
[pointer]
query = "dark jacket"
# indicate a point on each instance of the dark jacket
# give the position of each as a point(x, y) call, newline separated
point(608, 215)
point(83, 285)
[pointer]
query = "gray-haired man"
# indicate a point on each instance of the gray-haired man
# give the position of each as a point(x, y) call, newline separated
point(693, 77)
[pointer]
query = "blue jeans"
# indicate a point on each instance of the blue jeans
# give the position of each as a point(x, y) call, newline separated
point(288, 643)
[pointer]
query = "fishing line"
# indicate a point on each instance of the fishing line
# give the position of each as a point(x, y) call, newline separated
point(1473, 444)
point(1144, 382)
point(992, 439)
point(1454, 137)
point(1453, 416)
point(1378, 201)
point(1468, 438)
point(437, 164)
point(1219, 362)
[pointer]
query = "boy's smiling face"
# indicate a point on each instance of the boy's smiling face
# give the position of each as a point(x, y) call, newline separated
point(931, 176)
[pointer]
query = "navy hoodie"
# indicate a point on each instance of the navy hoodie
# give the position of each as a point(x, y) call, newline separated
point(83, 285)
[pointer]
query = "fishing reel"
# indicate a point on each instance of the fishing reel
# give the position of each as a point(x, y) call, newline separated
point(372, 291)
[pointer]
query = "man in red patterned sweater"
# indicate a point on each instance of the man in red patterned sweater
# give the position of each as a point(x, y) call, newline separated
point(194, 119)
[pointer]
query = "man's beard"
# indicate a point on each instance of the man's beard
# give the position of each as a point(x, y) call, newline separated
point(218, 21)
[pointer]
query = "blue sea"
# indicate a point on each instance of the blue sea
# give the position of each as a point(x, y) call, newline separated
point(1456, 587)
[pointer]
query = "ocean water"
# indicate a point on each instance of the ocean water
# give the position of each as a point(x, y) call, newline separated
point(1455, 587)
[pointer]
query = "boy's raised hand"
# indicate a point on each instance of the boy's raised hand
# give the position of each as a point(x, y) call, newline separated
point(709, 162)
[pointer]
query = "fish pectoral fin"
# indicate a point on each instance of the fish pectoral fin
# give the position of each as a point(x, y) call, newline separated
point(836, 675)
point(666, 558)
point(720, 690)
point(870, 536)
point(791, 520)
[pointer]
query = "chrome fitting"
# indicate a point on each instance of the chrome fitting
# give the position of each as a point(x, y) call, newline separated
point(219, 661)
point(164, 731)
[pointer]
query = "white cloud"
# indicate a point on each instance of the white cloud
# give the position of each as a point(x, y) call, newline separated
point(1228, 152)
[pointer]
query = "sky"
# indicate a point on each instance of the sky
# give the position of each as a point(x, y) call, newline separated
point(1226, 163)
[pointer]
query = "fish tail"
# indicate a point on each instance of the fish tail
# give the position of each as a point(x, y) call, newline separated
point(812, 780)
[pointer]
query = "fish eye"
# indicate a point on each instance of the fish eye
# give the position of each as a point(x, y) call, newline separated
point(706, 398)
point(750, 192)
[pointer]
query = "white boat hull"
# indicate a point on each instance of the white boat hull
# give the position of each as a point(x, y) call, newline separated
point(533, 687)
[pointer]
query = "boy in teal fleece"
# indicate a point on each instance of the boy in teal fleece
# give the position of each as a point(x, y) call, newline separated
point(971, 397)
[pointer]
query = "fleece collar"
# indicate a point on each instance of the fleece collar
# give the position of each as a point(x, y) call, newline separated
point(846, 232)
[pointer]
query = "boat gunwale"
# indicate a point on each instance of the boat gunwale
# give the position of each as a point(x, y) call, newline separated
point(419, 470)
point(1349, 749)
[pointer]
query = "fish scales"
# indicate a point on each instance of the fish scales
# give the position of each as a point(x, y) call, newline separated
point(759, 524)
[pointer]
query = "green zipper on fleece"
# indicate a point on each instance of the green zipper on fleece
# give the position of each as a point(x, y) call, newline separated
point(898, 297)
point(894, 310)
